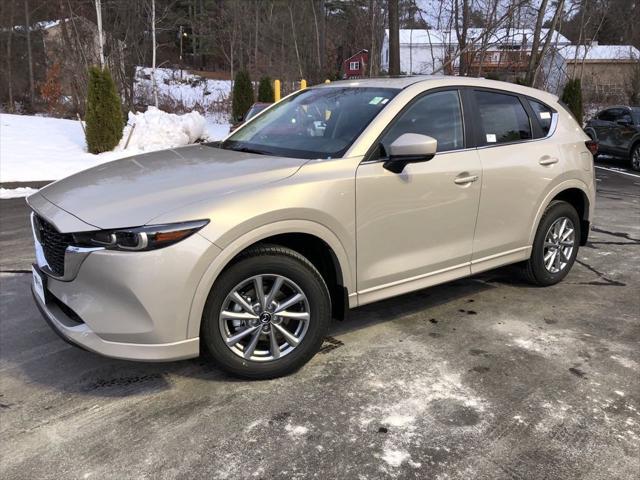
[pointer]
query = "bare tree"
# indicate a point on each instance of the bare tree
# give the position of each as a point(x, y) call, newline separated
point(461, 24)
point(535, 44)
point(9, 59)
point(27, 27)
point(539, 56)
point(295, 41)
point(154, 51)
point(394, 38)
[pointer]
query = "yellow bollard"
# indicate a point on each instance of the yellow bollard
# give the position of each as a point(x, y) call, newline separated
point(276, 90)
point(303, 84)
point(327, 81)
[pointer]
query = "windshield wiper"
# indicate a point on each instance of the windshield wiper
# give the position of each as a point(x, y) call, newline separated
point(237, 148)
point(250, 150)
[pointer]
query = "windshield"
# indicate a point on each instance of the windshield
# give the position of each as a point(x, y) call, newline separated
point(316, 123)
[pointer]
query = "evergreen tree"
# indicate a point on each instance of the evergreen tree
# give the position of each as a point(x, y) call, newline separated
point(242, 95)
point(104, 112)
point(265, 90)
point(572, 98)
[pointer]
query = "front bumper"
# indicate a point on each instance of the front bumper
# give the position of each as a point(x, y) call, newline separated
point(128, 305)
point(80, 335)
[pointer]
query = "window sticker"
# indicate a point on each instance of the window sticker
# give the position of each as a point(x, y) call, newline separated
point(375, 100)
point(545, 115)
point(491, 138)
point(384, 101)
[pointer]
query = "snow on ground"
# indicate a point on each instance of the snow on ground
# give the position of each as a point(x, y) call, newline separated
point(179, 88)
point(34, 148)
point(16, 192)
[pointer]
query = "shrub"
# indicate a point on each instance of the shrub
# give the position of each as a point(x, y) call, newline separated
point(51, 89)
point(572, 98)
point(242, 95)
point(265, 90)
point(104, 112)
point(633, 89)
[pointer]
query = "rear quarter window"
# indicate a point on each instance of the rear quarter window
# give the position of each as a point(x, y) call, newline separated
point(544, 114)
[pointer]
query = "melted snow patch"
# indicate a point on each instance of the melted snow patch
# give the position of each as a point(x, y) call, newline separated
point(395, 457)
point(398, 420)
point(625, 362)
point(296, 430)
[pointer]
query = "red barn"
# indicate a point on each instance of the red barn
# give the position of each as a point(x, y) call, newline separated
point(356, 65)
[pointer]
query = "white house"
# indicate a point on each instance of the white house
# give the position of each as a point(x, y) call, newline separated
point(431, 51)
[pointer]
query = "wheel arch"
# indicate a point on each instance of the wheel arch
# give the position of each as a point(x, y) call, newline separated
point(591, 132)
point(333, 263)
point(576, 194)
point(634, 143)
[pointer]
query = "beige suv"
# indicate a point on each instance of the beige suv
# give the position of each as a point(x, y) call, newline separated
point(337, 196)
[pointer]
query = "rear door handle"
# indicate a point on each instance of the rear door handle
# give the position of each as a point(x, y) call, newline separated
point(465, 180)
point(548, 160)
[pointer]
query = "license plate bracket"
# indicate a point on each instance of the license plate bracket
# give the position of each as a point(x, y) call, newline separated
point(39, 283)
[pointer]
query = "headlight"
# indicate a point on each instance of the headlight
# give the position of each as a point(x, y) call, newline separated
point(150, 237)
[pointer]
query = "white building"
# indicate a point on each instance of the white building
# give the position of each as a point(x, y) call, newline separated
point(605, 70)
point(430, 51)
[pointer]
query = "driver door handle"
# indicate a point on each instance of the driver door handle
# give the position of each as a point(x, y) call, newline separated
point(548, 160)
point(465, 180)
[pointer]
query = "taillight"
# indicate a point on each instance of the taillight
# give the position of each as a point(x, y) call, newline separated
point(592, 145)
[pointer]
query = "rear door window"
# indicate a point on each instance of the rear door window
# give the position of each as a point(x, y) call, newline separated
point(503, 119)
point(544, 114)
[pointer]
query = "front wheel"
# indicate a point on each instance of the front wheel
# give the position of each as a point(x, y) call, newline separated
point(555, 246)
point(267, 314)
point(634, 159)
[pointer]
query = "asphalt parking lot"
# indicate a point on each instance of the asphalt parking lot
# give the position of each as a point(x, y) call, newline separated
point(484, 378)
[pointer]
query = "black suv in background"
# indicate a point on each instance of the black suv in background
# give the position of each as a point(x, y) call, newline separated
point(617, 131)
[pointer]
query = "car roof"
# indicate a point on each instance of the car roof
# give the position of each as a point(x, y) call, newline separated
point(635, 109)
point(402, 82)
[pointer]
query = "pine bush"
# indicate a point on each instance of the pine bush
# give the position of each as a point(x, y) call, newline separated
point(265, 90)
point(242, 95)
point(104, 112)
point(572, 98)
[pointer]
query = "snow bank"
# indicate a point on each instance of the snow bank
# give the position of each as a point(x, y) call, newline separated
point(155, 129)
point(6, 193)
point(38, 148)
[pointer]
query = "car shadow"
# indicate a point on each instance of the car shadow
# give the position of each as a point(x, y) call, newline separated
point(70, 370)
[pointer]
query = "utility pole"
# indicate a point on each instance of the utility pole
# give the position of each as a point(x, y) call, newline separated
point(100, 32)
point(394, 38)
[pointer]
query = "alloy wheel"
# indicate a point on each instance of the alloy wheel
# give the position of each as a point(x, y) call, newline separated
point(264, 317)
point(559, 243)
point(635, 159)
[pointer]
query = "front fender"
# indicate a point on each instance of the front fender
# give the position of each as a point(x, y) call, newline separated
point(255, 235)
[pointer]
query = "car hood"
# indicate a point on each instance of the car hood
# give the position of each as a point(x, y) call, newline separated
point(134, 190)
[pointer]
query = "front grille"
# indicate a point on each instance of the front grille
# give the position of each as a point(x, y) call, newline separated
point(54, 244)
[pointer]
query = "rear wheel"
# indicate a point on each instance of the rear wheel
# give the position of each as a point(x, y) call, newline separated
point(634, 158)
point(267, 314)
point(555, 246)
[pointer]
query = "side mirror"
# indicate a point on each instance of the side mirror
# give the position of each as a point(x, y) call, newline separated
point(410, 148)
point(624, 122)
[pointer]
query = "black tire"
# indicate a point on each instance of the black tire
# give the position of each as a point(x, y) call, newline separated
point(267, 260)
point(634, 158)
point(534, 269)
